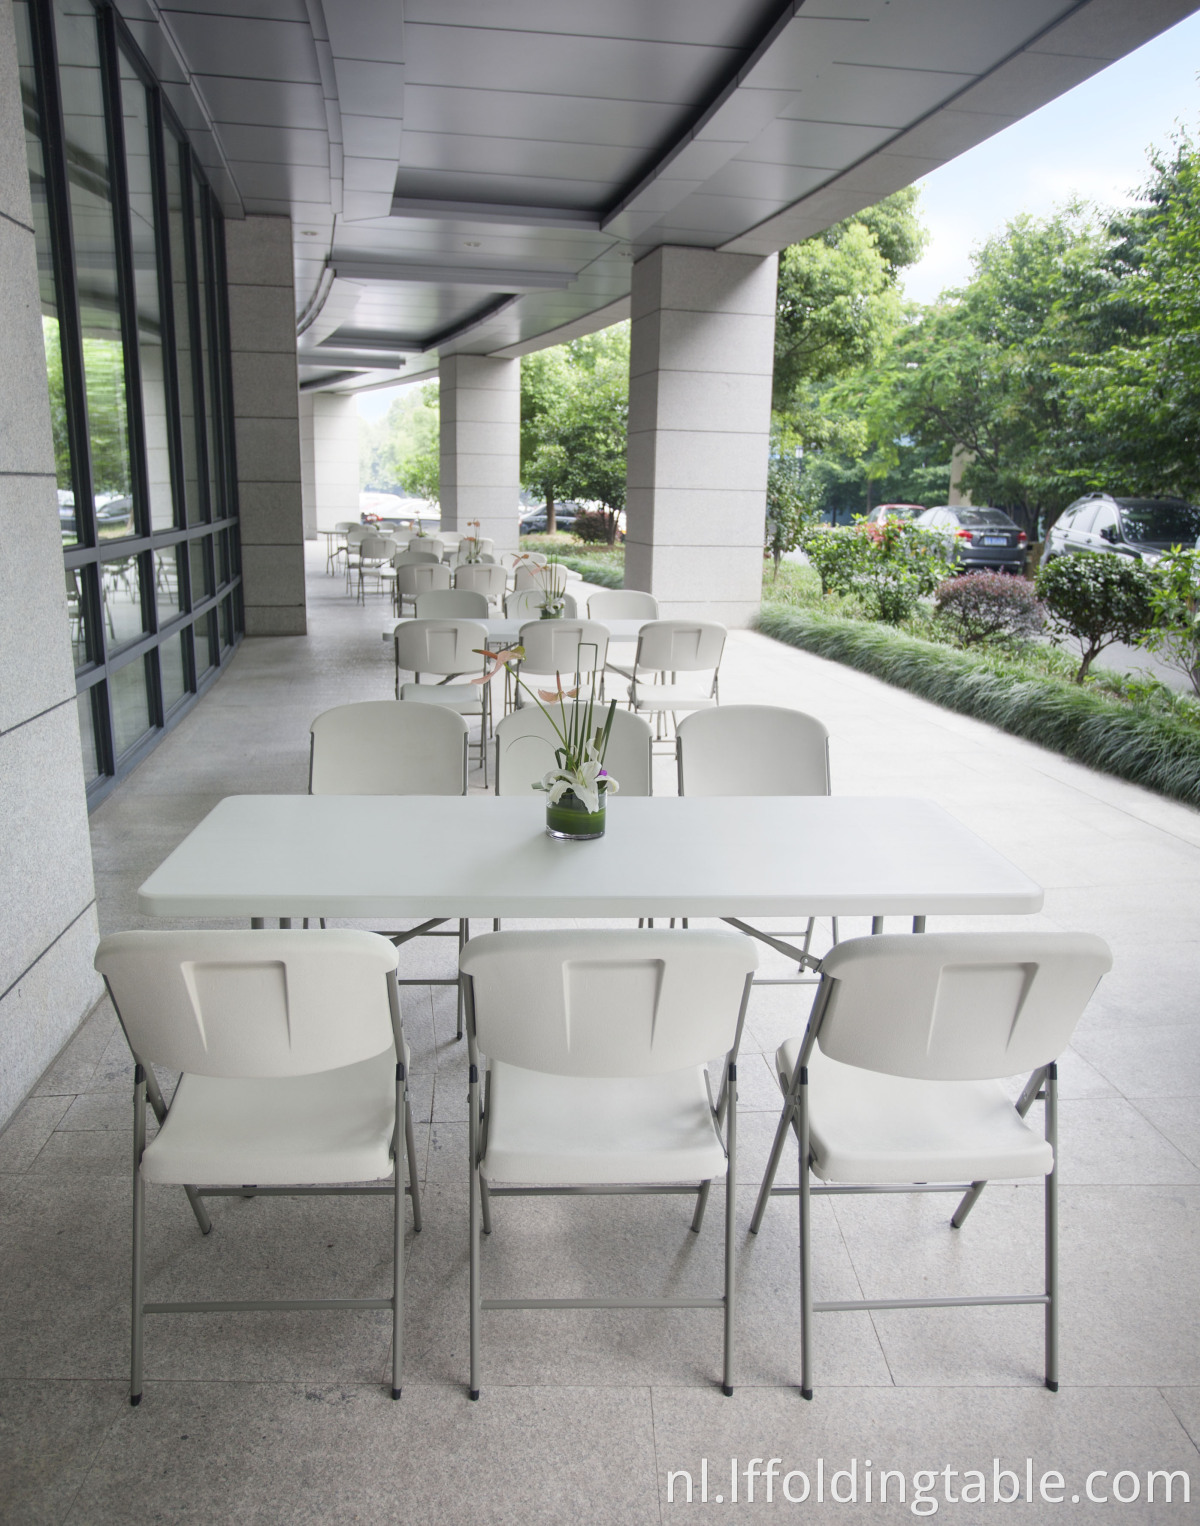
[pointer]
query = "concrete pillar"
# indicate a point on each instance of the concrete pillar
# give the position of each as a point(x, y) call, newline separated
point(701, 358)
point(329, 459)
point(47, 896)
point(481, 446)
point(266, 408)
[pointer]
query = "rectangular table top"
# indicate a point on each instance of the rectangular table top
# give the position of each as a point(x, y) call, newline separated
point(482, 856)
point(506, 632)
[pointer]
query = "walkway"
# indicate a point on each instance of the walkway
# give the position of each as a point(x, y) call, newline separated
point(285, 1419)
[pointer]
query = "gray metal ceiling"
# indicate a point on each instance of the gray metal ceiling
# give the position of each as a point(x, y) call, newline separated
point(480, 174)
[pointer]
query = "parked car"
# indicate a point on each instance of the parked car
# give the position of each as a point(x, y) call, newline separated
point(983, 539)
point(534, 523)
point(1142, 528)
point(884, 511)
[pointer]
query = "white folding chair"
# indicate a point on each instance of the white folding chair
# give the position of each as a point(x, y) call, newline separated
point(482, 577)
point(519, 606)
point(446, 649)
point(294, 1079)
point(525, 743)
point(563, 647)
point(460, 603)
point(375, 553)
point(540, 577)
point(756, 750)
point(895, 1086)
point(674, 647)
point(594, 1047)
point(355, 536)
point(385, 747)
point(622, 604)
point(431, 545)
point(414, 579)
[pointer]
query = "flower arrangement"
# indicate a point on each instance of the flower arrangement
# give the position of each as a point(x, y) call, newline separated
point(550, 580)
point(579, 781)
point(468, 546)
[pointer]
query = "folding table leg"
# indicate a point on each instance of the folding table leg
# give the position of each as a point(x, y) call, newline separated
point(805, 1200)
point(1052, 1231)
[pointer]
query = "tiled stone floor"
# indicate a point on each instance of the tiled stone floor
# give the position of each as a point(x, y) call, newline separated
point(284, 1419)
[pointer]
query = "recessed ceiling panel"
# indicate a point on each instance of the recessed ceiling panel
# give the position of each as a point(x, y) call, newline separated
point(717, 23)
point(548, 115)
point(243, 49)
point(271, 103)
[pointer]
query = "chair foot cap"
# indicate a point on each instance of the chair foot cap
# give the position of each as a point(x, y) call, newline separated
point(135, 1399)
point(1052, 1385)
point(727, 1390)
point(472, 1393)
point(806, 1393)
point(395, 1393)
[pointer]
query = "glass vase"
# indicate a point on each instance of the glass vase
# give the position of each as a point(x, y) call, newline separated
point(570, 819)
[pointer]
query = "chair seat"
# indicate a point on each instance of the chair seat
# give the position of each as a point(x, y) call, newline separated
point(867, 1127)
point(670, 697)
point(336, 1126)
point(549, 1129)
point(467, 699)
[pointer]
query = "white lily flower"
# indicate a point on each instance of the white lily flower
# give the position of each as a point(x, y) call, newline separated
point(584, 782)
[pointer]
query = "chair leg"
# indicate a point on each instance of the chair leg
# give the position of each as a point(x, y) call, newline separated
point(805, 1201)
point(464, 935)
point(768, 1181)
point(701, 1205)
point(403, 1160)
point(1052, 1232)
point(139, 1224)
point(410, 1149)
point(485, 1207)
point(473, 1207)
point(730, 1207)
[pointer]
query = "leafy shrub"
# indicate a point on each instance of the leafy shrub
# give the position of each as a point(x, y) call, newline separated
point(988, 606)
point(1175, 600)
point(887, 567)
point(592, 526)
point(606, 573)
point(1096, 599)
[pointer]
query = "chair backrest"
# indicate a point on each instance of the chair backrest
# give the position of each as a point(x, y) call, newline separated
point(376, 548)
point(680, 646)
point(415, 559)
point(357, 533)
point(622, 604)
point(752, 750)
point(553, 646)
point(428, 543)
point(528, 601)
point(343, 525)
point(386, 747)
point(484, 578)
point(957, 1006)
point(634, 1002)
point(251, 1003)
point(421, 577)
point(440, 646)
point(525, 744)
point(487, 546)
point(439, 603)
point(541, 578)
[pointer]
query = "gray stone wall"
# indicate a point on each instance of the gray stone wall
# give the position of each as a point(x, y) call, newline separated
point(47, 897)
point(262, 325)
point(480, 410)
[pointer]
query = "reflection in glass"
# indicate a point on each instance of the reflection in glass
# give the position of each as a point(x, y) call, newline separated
point(51, 335)
point(139, 174)
point(227, 622)
point(77, 617)
point(87, 732)
point(211, 404)
point(201, 577)
point(121, 595)
point(179, 239)
point(223, 558)
point(166, 584)
point(90, 189)
point(173, 669)
point(205, 654)
point(130, 705)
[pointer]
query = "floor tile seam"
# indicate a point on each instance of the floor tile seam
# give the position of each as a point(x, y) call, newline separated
point(1193, 1160)
point(862, 1292)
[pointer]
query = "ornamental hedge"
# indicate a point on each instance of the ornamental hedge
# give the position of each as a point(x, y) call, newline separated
point(1158, 750)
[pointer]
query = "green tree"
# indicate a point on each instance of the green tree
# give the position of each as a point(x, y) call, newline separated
point(1175, 602)
point(1096, 600)
point(547, 382)
point(402, 449)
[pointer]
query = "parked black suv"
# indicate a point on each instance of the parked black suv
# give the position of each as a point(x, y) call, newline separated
point(1142, 528)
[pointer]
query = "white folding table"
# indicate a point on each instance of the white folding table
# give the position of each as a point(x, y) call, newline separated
point(505, 631)
point(481, 856)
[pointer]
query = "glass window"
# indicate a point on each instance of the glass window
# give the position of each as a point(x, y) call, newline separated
point(167, 583)
point(90, 192)
point(173, 668)
point(1082, 522)
point(140, 178)
point(86, 706)
point(206, 647)
point(1160, 522)
point(226, 622)
point(82, 650)
point(121, 593)
point(201, 573)
point(179, 221)
point(130, 705)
